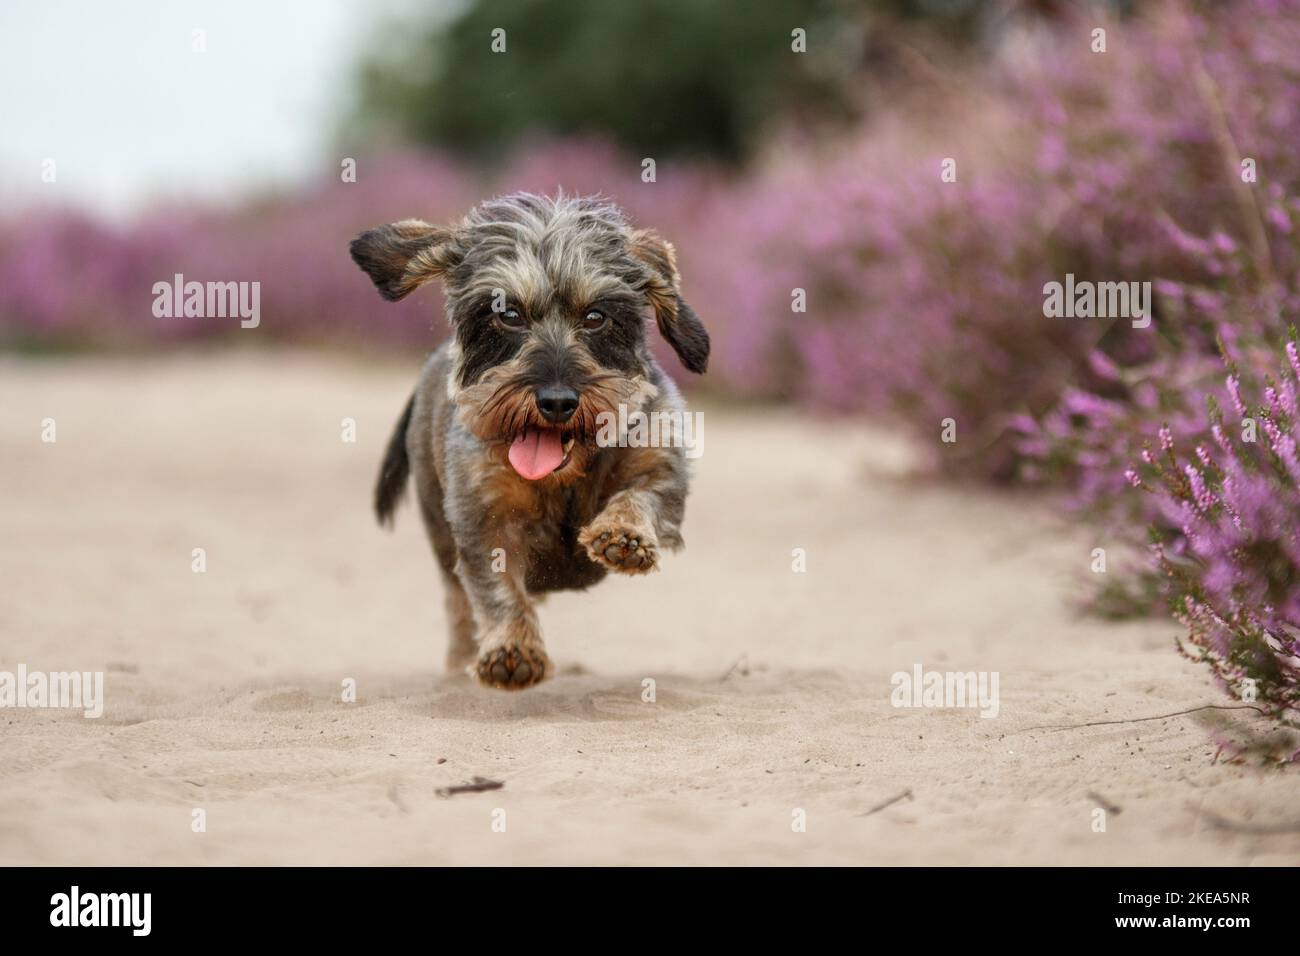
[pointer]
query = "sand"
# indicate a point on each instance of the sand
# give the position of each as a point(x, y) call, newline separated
point(772, 688)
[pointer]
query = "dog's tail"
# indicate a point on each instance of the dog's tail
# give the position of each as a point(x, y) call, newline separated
point(395, 470)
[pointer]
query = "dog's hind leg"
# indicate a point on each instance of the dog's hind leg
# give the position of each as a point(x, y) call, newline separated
point(461, 649)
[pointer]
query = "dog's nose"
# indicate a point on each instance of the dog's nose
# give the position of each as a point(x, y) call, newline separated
point(557, 403)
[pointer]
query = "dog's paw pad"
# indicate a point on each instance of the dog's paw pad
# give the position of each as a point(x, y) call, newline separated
point(622, 549)
point(512, 667)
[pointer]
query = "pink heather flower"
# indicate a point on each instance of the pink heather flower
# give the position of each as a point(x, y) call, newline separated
point(1271, 399)
point(1104, 366)
point(1234, 390)
point(1229, 493)
point(1197, 485)
point(1224, 243)
point(1284, 447)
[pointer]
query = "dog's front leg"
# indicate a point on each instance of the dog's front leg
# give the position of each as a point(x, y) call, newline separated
point(492, 568)
point(643, 515)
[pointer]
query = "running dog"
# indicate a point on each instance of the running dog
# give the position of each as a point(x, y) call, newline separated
point(548, 301)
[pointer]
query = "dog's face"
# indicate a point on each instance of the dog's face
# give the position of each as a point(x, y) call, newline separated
point(548, 302)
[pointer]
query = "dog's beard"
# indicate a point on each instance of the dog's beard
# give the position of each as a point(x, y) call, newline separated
point(500, 411)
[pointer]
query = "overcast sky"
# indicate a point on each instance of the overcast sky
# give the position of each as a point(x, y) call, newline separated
point(114, 93)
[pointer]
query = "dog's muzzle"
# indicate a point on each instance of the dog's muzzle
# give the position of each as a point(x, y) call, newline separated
point(538, 452)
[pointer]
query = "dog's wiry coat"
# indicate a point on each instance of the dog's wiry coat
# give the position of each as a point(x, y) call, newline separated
point(541, 294)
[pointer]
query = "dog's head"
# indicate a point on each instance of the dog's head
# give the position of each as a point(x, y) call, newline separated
point(547, 300)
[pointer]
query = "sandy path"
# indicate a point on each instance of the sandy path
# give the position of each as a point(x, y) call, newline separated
point(223, 688)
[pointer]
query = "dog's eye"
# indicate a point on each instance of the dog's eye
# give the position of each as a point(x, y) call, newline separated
point(593, 320)
point(510, 318)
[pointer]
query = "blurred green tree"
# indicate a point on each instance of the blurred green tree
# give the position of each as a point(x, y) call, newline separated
point(658, 77)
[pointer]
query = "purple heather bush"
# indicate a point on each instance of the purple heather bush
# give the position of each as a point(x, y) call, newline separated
point(1232, 558)
point(925, 298)
point(69, 281)
point(1221, 252)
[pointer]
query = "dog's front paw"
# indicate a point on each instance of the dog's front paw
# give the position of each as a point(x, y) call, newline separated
point(512, 664)
point(621, 548)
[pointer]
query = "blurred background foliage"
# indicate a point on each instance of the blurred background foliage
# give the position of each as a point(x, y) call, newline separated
point(656, 77)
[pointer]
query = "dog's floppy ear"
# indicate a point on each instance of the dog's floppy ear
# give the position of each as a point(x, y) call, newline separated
point(677, 321)
point(402, 256)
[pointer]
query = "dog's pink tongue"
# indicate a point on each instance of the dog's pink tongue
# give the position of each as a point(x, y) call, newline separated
point(536, 453)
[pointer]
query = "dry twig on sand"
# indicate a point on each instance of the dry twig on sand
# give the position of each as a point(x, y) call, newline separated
point(1138, 720)
point(477, 785)
point(905, 795)
point(1105, 804)
point(1261, 829)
